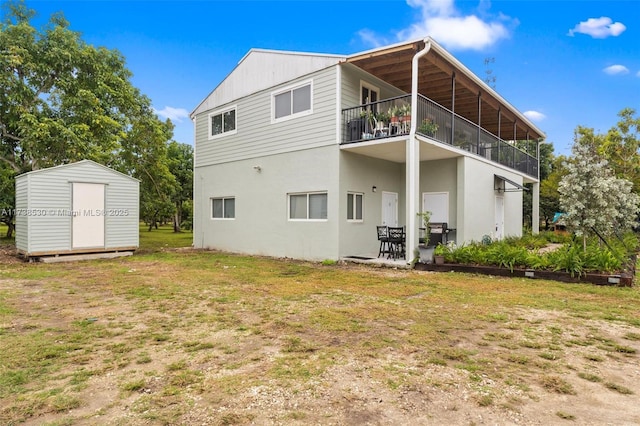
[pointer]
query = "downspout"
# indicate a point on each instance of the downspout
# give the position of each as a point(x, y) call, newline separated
point(413, 160)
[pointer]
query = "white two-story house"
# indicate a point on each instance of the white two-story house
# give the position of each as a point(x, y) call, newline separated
point(303, 155)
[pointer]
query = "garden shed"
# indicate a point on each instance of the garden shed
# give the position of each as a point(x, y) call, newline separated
point(82, 207)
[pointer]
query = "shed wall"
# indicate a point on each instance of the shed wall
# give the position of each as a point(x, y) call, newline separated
point(22, 221)
point(44, 221)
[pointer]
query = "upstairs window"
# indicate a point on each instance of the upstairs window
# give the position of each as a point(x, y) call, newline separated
point(222, 123)
point(292, 102)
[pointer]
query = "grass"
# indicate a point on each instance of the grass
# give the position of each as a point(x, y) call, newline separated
point(165, 328)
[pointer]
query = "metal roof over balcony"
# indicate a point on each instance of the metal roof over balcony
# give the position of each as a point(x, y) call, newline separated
point(444, 79)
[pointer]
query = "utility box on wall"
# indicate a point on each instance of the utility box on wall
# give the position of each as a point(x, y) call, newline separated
point(75, 208)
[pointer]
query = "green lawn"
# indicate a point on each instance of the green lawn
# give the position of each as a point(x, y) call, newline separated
point(163, 237)
point(196, 337)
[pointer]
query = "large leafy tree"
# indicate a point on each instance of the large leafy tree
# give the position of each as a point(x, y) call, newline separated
point(143, 155)
point(621, 147)
point(592, 197)
point(63, 100)
point(181, 166)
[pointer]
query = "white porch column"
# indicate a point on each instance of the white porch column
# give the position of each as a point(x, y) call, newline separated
point(413, 195)
point(412, 169)
point(535, 206)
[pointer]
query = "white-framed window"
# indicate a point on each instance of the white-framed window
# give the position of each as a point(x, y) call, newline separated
point(292, 101)
point(223, 208)
point(368, 93)
point(308, 206)
point(223, 122)
point(355, 206)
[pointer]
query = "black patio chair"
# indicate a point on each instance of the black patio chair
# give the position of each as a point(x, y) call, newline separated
point(397, 242)
point(383, 237)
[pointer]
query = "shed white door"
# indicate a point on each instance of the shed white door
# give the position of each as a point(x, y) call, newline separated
point(390, 208)
point(87, 228)
point(438, 204)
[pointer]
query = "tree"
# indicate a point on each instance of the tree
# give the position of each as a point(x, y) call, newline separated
point(143, 155)
point(546, 161)
point(593, 199)
point(62, 100)
point(621, 147)
point(181, 166)
point(549, 195)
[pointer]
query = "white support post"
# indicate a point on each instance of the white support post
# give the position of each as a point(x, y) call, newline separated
point(535, 206)
point(413, 162)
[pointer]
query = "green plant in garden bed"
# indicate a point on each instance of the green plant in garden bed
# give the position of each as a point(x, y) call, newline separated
point(524, 252)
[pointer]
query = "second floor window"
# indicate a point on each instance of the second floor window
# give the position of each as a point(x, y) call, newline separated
point(222, 123)
point(292, 102)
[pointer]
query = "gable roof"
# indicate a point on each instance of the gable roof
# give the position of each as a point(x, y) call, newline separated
point(261, 69)
point(77, 163)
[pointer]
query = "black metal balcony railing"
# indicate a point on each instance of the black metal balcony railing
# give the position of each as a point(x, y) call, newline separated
point(392, 117)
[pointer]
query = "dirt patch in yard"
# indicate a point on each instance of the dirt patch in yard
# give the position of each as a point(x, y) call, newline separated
point(219, 341)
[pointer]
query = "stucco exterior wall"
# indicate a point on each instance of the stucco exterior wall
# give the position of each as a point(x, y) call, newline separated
point(360, 174)
point(476, 201)
point(261, 225)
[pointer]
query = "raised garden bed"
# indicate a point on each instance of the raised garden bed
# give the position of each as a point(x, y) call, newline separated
point(623, 279)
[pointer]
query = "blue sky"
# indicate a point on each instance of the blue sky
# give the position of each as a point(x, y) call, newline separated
point(563, 63)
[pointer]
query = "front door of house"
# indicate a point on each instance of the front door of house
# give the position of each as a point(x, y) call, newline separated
point(499, 229)
point(390, 208)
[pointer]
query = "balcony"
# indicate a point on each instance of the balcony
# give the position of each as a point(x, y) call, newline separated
point(392, 117)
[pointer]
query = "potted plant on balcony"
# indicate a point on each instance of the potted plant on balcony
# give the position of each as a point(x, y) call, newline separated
point(428, 127)
point(383, 117)
point(405, 117)
point(382, 124)
point(394, 114)
point(368, 118)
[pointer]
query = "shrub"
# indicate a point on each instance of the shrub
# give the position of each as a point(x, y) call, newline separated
point(602, 259)
point(505, 254)
point(513, 252)
point(568, 259)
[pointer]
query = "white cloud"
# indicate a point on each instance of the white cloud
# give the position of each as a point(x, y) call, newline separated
point(465, 32)
point(370, 38)
point(602, 27)
point(174, 114)
point(534, 115)
point(442, 21)
point(616, 69)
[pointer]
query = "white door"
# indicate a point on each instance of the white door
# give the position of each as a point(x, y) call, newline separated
point(499, 231)
point(438, 204)
point(390, 208)
point(87, 224)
